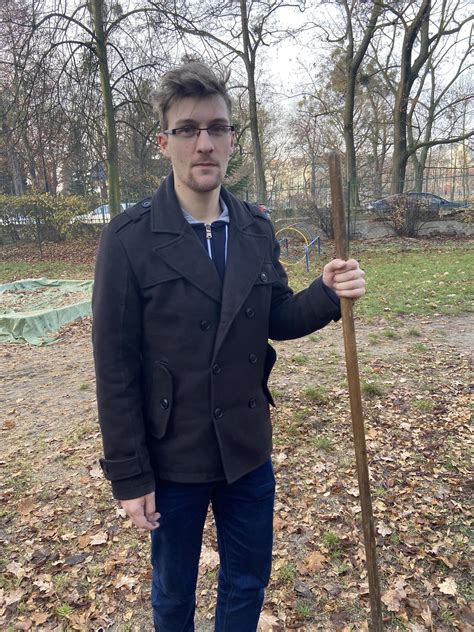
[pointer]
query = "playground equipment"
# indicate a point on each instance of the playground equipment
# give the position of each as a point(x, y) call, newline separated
point(296, 242)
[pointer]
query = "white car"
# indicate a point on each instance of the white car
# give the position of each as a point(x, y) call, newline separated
point(101, 215)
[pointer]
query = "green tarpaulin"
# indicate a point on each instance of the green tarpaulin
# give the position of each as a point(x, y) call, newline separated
point(33, 310)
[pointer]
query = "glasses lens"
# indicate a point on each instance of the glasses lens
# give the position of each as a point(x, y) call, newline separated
point(187, 132)
point(218, 130)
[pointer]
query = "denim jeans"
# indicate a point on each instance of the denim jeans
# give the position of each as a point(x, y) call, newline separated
point(243, 513)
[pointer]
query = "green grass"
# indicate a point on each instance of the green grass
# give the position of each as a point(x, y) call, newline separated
point(322, 443)
point(299, 358)
point(331, 540)
point(419, 277)
point(316, 394)
point(288, 573)
point(372, 389)
point(424, 405)
point(15, 270)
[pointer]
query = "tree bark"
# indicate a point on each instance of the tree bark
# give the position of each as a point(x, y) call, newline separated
point(408, 73)
point(249, 60)
point(353, 60)
point(96, 7)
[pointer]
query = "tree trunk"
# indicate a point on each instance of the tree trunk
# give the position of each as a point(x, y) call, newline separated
point(353, 61)
point(13, 162)
point(96, 8)
point(249, 60)
point(408, 73)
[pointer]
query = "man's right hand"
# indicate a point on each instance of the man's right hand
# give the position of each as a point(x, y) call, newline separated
point(142, 511)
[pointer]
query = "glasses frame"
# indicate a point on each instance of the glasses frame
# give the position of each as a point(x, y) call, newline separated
point(197, 131)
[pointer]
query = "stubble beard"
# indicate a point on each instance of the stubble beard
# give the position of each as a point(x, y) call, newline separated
point(200, 186)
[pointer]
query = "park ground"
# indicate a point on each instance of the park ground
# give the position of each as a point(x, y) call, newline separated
point(71, 560)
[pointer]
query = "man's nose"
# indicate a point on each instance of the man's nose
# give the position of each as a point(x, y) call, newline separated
point(204, 141)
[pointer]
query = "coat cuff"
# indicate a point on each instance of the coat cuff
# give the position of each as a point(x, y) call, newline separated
point(127, 477)
point(322, 296)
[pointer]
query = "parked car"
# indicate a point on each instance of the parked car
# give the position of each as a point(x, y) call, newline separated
point(101, 215)
point(426, 202)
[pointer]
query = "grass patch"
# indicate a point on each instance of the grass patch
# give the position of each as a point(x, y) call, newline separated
point(16, 270)
point(304, 609)
point(288, 573)
point(323, 443)
point(419, 277)
point(414, 332)
point(331, 540)
point(299, 358)
point(316, 394)
point(420, 347)
point(424, 405)
point(372, 389)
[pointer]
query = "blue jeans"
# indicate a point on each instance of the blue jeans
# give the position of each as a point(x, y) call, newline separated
point(243, 512)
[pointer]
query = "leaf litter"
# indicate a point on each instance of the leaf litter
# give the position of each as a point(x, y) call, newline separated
point(72, 560)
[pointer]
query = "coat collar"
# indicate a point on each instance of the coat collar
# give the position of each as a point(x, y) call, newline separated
point(167, 216)
point(178, 246)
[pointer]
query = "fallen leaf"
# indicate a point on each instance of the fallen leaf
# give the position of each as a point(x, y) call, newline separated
point(13, 597)
point(448, 587)
point(124, 580)
point(40, 617)
point(99, 538)
point(315, 561)
point(96, 472)
point(209, 558)
point(15, 569)
point(394, 597)
point(266, 622)
point(25, 506)
point(383, 529)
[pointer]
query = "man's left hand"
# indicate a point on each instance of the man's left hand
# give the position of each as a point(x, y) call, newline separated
point(345, 278)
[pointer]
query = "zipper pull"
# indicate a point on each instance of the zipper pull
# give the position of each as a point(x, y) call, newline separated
point(208, 231)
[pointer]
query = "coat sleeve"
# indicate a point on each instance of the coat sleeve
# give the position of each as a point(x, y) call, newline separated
point(295, 315)
point(116, 337)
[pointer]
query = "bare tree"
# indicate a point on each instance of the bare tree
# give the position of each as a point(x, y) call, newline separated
point(239, 29)
point(425, 26)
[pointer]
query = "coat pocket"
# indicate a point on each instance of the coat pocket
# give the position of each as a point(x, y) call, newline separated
point(270, 359)
point(160, 400)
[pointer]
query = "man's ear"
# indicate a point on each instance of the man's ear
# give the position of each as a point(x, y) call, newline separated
point(163, 143)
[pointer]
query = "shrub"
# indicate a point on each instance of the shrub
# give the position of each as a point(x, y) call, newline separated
point(40, 215)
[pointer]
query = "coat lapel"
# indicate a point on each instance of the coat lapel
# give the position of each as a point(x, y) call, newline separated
point(245, 254)
point(177, 244)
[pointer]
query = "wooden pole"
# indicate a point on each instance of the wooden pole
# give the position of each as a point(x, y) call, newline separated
point(340, 237)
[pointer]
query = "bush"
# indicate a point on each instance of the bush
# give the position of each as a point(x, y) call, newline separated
point(40, 216)
point(406, 215)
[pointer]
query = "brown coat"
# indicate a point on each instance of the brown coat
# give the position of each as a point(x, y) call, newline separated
point(182, 361)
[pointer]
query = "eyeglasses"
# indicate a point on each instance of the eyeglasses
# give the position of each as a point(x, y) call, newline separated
point(191, 131)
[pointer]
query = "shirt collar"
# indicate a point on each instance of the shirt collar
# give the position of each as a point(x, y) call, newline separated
point(223, 217)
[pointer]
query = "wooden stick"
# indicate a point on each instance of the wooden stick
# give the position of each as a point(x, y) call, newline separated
point(355, 397)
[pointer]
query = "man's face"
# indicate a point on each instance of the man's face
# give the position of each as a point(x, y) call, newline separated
point(199, 163)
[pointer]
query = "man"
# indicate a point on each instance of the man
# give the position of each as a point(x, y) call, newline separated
point(188, 290)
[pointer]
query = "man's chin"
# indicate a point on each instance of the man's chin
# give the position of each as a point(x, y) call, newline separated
point(204, 185)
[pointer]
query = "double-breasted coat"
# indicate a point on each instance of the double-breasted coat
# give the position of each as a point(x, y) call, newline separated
point(182, 359)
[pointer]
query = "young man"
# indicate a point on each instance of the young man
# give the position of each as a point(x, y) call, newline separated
point(188, 290)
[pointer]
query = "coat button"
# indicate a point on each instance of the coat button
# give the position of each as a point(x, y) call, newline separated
point(250, 312)
point(216, 369)
point(253, 358)
point(264, 277)
point(205, 325)
point(218, 412)
point(252, 403)
point(164, 403)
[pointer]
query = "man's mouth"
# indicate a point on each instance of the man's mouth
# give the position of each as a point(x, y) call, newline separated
point(205, 164)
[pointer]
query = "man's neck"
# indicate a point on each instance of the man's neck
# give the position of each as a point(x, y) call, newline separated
point(202, 206)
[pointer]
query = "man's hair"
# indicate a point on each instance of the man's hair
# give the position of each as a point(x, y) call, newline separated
point(191, 79)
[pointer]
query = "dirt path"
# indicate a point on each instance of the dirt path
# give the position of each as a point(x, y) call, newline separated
point(72, 562)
